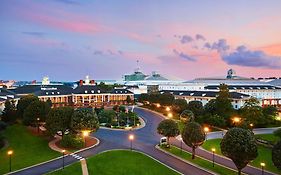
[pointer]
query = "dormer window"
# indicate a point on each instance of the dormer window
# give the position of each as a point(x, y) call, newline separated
point(98, 91)
point(181, 93)
point(93, 92)
point(47, 93)
point(203, 95)
point(191, 94)
point(58, 92)
point(86, 92)
point(53, 93)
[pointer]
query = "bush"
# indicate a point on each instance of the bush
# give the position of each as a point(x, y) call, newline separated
point(72, 141)
point(3, 125)
point(277, 133)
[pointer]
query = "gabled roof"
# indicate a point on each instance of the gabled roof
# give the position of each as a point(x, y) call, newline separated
point(6, 92)
point(88, 89)
point(214, 94)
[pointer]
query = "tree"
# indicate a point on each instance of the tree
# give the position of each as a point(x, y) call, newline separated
point(36, 109)
point(187, 115)
point(196, 107)
point(122, 108)
point(252, 112)
point(277, 133)
point(276, 155)
point(59, 119)
point(128, 99)
point(168, 128)
point(106, 116)
point(24, 102)
point(84, 119)
point(240, 146)
point(179, 105)
point(269, 113)
point(215, 120)
point(193, 136)
point(223, 104)
point(9, 112)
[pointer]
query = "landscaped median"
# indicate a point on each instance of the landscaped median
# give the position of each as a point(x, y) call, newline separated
point(28, 149)
point(198, 161)
point(264, 153)
point(118, 162)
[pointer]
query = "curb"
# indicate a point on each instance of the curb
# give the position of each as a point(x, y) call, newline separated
point(98, 142)
point(190, 163)
point(160, 114)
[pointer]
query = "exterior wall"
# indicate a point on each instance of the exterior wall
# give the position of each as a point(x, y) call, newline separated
point(236, 103)
point(58, 100)
point(2, 106)
point(98, 100)
point(182, 87)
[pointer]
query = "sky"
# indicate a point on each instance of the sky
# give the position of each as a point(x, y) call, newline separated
point(182, 39)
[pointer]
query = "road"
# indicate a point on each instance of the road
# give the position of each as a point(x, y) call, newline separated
point(145, 140)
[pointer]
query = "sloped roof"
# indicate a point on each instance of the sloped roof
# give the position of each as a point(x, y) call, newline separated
point(242, 87)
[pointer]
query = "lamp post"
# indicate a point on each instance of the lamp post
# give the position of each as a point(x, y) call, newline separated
point(236, 120)
point(251, 126)
point(63, 151)
point(131, 138)
point(158, 105)
point(262, 167)
point(10, 152)
point(170, 115)
point(206, 130)
point(181, 144)
point(213, 151)
point(38, 119)
point(85, 134)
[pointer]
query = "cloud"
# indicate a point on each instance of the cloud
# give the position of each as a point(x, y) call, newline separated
point(120, 52)
point(183, 55)
point(98, 52)
point(37, 34)
point(257, 58)
point(221, 46)
point(200, 37)
point(186, 39)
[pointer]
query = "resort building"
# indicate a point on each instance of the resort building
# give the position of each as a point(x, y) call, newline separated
point(6, 94)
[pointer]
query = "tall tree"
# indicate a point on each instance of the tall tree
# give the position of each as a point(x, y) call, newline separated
point(24, 102)
point(196, 107)
point(36, 109)
point(9, 112)
point(193, 136)
point(223, 104)
point(276, 155)
point(59, 119)
point(240, 146)
point(106, 116)
point(252, 112)
point(84, 119)
point(168, 128)
point(179, 105)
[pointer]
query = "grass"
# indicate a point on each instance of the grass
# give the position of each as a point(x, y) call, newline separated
point(268, 137)
point(27, 149)
point(200, 161)
point(264, 154)
point(118, 162)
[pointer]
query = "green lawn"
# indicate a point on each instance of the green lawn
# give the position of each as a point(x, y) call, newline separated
point(27, 149)
point(200, 161)
point(264, 155)
point(268, 137)
point(118, 162)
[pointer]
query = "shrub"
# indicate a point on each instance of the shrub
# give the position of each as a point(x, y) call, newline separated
point(72, 141)
point(277, 133)
point(2, 141)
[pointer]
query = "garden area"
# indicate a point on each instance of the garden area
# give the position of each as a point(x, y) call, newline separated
point(28, 148)
point(264, 153)
point(118, 162)
point(118, 117)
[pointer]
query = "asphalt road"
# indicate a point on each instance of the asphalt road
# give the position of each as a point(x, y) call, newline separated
point(145, 140)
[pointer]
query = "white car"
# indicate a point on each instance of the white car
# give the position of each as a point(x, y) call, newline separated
point(163, 141)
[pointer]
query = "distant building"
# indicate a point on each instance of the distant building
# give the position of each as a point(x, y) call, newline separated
point(237, 99)
point(6, 94)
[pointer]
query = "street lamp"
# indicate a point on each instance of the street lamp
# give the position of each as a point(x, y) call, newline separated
point(251, 126)
point(262, 167)
point(206, 130)
point(181, 144)
point(213, 151)
point(38, 119)
point(63, 151)
point(278, 118)
point(168, 108)
point(10, 152)
point(236, 120)
point(158, 105)
point(85, 134)
point(131, 138)
point(170, 115)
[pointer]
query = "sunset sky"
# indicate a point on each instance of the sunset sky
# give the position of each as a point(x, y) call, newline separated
point(68, 39)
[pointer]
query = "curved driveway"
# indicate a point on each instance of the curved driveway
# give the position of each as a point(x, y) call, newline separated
point(145, 140)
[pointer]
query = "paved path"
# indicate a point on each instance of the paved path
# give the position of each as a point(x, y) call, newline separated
point(145, 140)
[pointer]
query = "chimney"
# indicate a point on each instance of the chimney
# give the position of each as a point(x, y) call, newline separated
point(92, 82)
point(81, 83)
